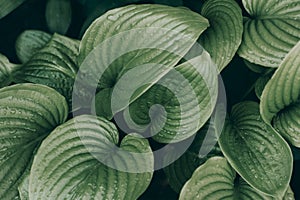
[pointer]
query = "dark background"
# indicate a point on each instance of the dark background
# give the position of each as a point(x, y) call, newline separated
point(237, 77)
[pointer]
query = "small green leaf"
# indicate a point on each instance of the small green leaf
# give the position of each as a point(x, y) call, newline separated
point(29, 42)
point(280, 102)
point(58, 15)
point(256, 151)
point(28, 113)
point(224, 35)
point(260, 84)
point(7, 6)
point(103, 103)
point(69, 163)
point(54, 65)
point(7, 69)
point(178, 108)
point(255, 68)
point(271, 32)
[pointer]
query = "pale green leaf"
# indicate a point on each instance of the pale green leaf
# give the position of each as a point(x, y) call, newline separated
point(7, 6)
point(7, 69)
point(256, 151)
point(54, 65)
point(58, 15)
point(271, 31)
point(28, 113)
point(176, 108)
point(280, 103)
point(224, 35)
point(137, 35)
point(29, 42)
point(70, 164)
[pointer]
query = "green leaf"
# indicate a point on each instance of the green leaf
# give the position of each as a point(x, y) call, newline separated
point(212, 180)
point(280, 102)
point(182, 169)
point(6, 71)
point(29, 42)
point(178, 106)
point(71, 163)
point(28, 113)
point(216, 179)
point(260, 84)
point(136, 35)
point(256, 151)
point(7, 6)
point(271, 31)
point(58, 15)
point(54, 65)
point(256, 68)
point(224, 35)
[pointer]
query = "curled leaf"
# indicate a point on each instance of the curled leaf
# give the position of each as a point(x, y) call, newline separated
point(280, 102)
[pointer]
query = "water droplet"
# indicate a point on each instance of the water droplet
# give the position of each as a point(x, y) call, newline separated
point(112, 17)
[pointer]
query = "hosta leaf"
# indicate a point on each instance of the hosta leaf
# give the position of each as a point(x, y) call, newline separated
point(260, 84)
point(134, 36)
point(182, 169)
point(281, 98)
point(54, 66)
point(212, 180)
point(28, 113)
point(256, 68)
point(58, 15)
point(256, 151)
point(224, 35)
point(7, 6)
point(6, 71)
point(271, 31)
point(215, 179)
point(69, 163)
point(29, 42)
point(187, 102)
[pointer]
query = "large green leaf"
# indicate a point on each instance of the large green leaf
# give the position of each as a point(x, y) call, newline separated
point(71, 163)
point(188, 102)
point(58, 15)
point(54, 65)
point(7, 6)
point(29, 42)
point(134, 36)
point(28, 113)
point(224, 35)
point(215, 179)
point(256, 151)
point(271, 31)
point(7, 69)
point(281, 98)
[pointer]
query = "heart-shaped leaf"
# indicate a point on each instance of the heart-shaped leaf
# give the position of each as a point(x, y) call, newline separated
point(271, 31)
point(216, 179)
point(134, 36)
point(29, 42)
point(28, 113)
point(54, 65)
point(7, 69)
point(281, 98)
point(186, 97)
point(58, 15)
point(7, 6)
point(256, 151)
point(72, 163)
point(224, 35)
